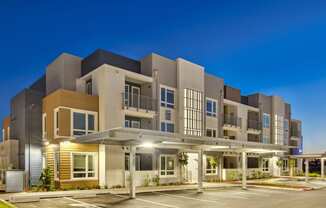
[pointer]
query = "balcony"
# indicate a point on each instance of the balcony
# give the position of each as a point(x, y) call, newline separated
point(138, 105)
point(232, 121)
point(295, 133)
point(253, 126)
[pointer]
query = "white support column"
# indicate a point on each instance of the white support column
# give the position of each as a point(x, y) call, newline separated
point(322, 163)
point(220, 167)
point(200, 171)
point(244, 170)
point(307, 170)
point(102, 168)
point(132, 167)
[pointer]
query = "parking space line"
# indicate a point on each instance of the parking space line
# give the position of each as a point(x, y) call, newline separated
point(225, 196)
point(81, 203)
point(185, 197)
point(156, 203)
point(251, 193)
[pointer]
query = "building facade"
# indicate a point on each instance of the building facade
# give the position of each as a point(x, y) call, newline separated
point(95, 109)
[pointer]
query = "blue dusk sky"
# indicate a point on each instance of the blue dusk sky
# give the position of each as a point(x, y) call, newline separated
point(275, 47)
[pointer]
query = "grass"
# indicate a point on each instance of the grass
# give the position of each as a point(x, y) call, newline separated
point(4, 204)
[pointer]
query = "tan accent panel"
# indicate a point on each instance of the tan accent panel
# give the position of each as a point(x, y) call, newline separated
point(5, 125)
point(79, 184)
point(69, 99)
point(65, 156)
point(49, 156)
point(64, 122)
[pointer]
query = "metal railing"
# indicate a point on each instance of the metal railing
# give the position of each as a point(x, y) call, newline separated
point(232, 120)
point(253, 124)
point(130, 100)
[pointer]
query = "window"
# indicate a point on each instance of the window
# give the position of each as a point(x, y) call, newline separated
point(168, 115)
point(135, 124)
point(167, 98)
point(44, 131)
point(88, 87)
point(266, 139)
point(167, 165)
point(143, 162)
point(211, 132)
point(127, 123)
point(211, 107)
point(126, 95)
point(265, 165)
point(279, 130)
point(266, 120)
point(285, 165)
point(193, 115)
point(211, 165)
point(83, 165)
point(56, 165)
point(135, 96)
point(167, 127)
point(286, 132)
point(83, 123)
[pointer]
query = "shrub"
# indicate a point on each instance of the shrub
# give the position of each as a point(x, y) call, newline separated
point(156, 180)
point(147, 180)
point(45, 179)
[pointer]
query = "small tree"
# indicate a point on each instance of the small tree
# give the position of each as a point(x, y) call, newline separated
point(45, 179)
point(183, 161)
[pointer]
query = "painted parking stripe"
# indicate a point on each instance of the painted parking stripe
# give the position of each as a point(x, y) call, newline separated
point(156, 203)
point(81, 203)
point(224, 195)
point(190, 198)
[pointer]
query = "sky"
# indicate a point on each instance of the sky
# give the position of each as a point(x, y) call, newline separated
point(271, 46)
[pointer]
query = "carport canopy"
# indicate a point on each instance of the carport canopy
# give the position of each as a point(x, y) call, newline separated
point(150, 138)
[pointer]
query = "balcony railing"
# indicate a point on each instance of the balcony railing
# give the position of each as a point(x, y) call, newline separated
point(232, 120)
point(294, 143)
point(130, 100)
point(253, 124)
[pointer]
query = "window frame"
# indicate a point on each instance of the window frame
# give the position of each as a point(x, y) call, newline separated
point(44, 129)
point(95, 163)
point(134, 121)
point(166, 170)
point(86, 130)
point(213, 130)
point(264, 168)
point(212, 113)
point(87, 88)
point(164, 103)
point(166, 123)
point(213, 171)
point(264, 121)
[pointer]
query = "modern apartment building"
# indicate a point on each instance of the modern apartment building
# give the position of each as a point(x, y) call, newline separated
point(107, 120)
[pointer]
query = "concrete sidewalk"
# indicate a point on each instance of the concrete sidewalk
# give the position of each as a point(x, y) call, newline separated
point(79, 193)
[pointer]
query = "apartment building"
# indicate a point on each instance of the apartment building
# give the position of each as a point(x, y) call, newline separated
point(108, 120)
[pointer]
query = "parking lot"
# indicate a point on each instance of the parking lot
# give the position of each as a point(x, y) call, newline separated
point(228, 198)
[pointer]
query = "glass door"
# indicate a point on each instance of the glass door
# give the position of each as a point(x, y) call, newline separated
point(135, 97)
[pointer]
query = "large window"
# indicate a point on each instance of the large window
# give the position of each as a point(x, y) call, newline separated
point(83, 165)
point(193, 107)
point(279, 129)
point(167, 127)
point(265, 165)
point(211, 107)
point(167, 165)
point(44, 131)
point(286, 132)
point(143, 162)
point(211, 165)
point(266, 120)
point(83, 123)
point(285, 166)
point(167, 97)
point(211, 132)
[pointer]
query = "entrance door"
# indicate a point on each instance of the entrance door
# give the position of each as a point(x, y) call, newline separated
point(192, 168)
point(135, 96)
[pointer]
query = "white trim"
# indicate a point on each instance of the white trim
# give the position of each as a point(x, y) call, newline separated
point(128, 99)
point(165, 170)
point(44, 122)
point(216, 103)
point(210, 174)
point(166, 102)
point(132, 96)
point(72, 111)
point(95, 162)
point(55, 127)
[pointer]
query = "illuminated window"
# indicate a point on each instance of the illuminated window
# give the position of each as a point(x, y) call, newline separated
point(193, 112)
point(83, 165)
point(211, 132)
point(167, 127)
point(167, 165)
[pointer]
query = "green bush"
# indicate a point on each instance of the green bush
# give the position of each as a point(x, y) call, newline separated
point(156, 180)
point(45, 180)
point(147, 180)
